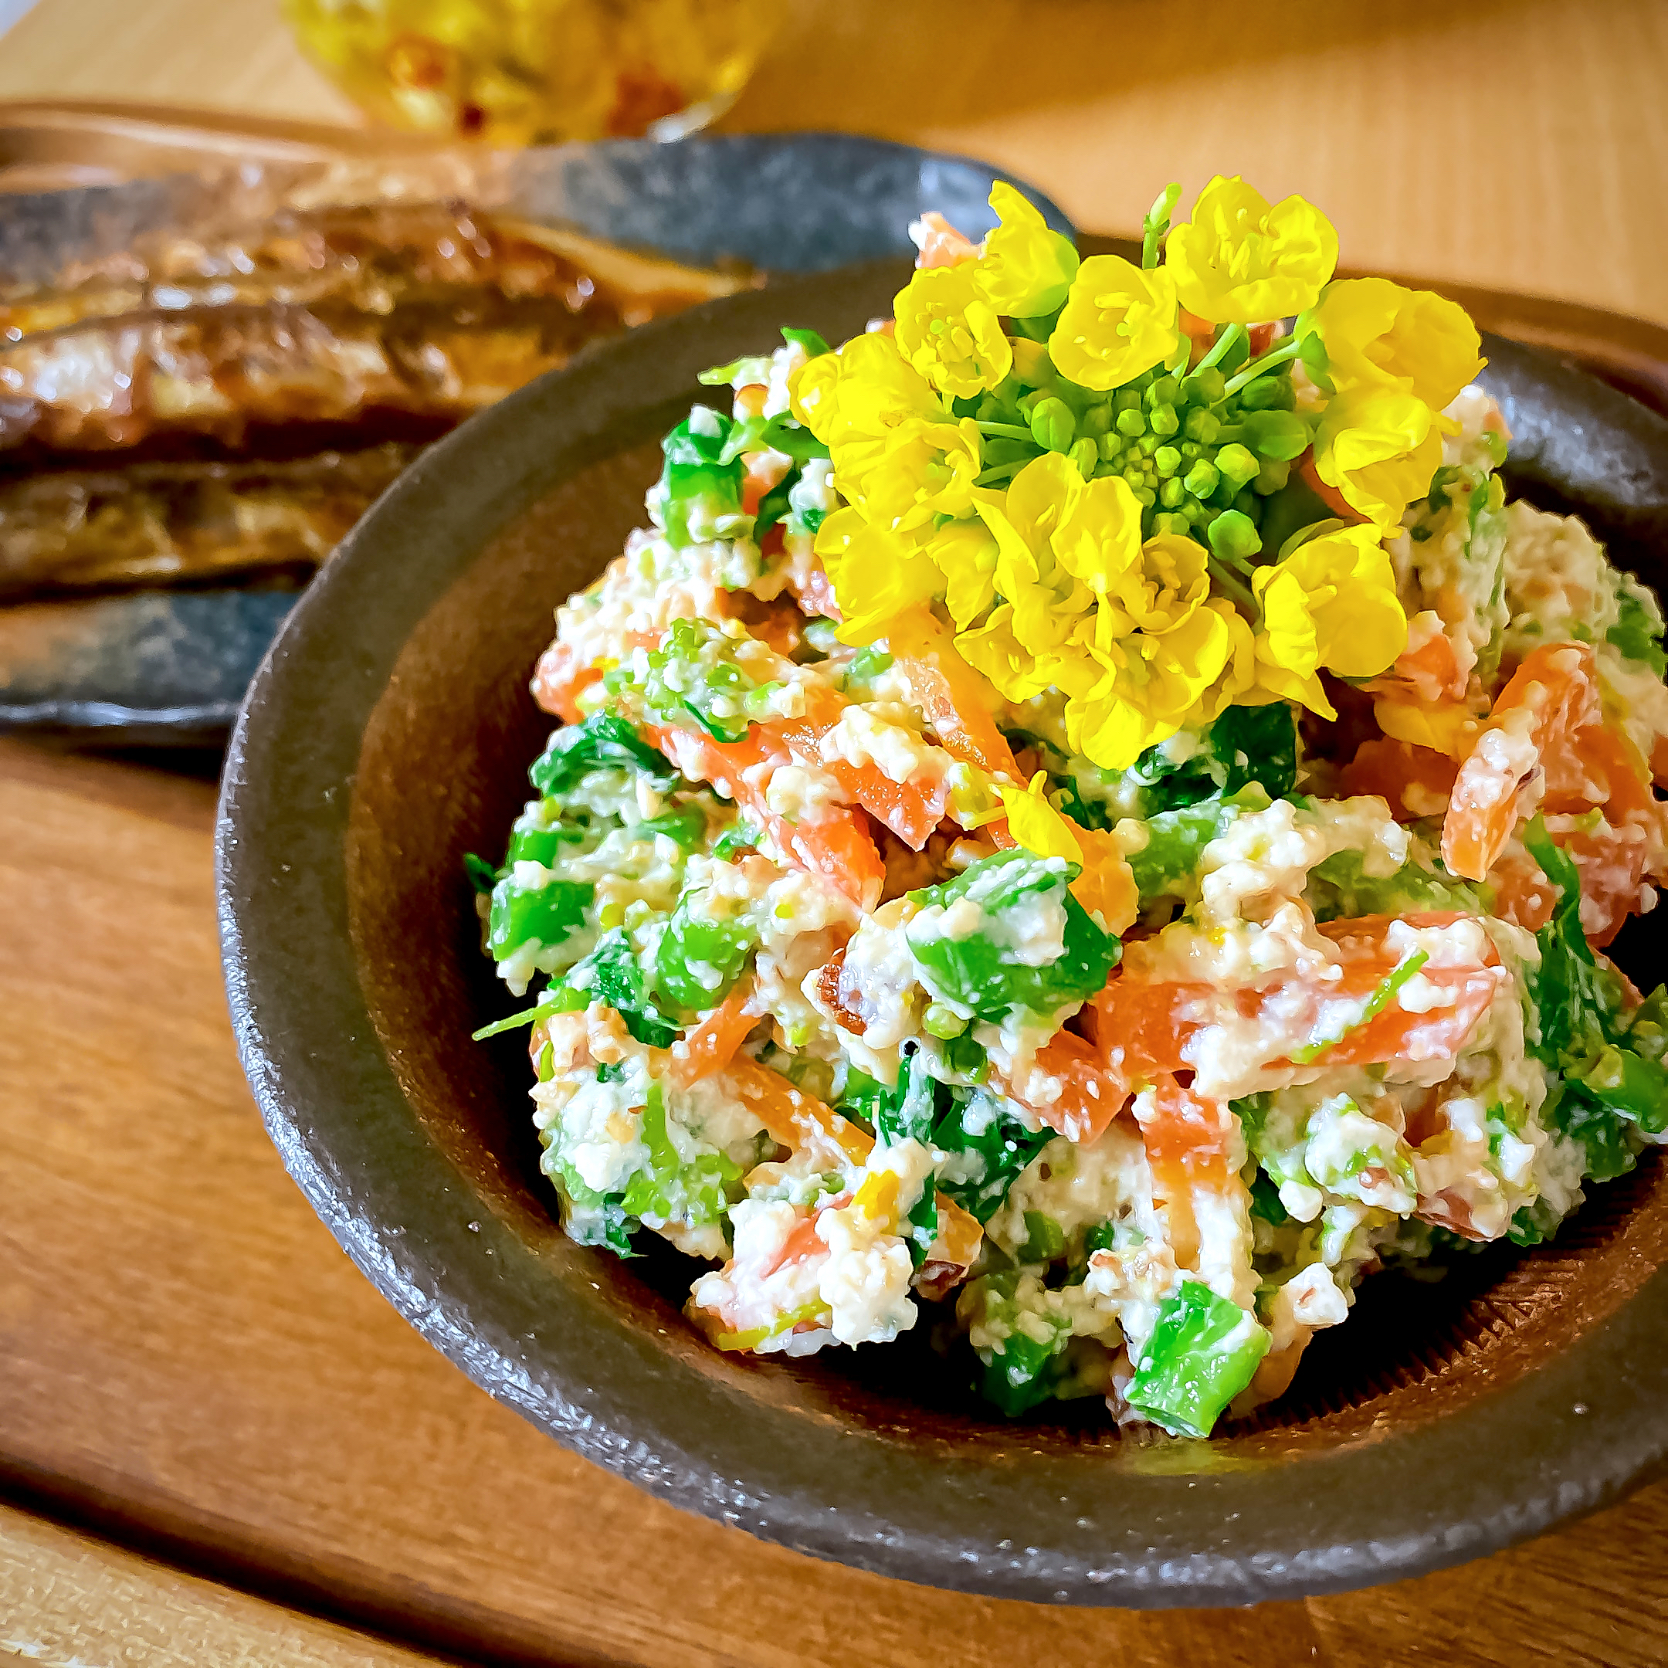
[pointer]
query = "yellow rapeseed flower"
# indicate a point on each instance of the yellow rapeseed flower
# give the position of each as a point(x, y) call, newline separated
point(950, 333)
point(1026, 268)
point(862, 391)
point(877, 574)
point(1241, 261)
point(920, 472)
point(1118, 322)
point(1331, 604)
point(1378, 334)
point(1152, 683)
point(1378, 448)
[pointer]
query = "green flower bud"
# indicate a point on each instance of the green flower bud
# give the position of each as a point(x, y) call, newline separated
point(1273, 475)
point(1147, 445)
point(1131, 423)
point(1201, 479)
point(1145, 497)
point(1127, 399)
point(1171, 493)
point(1269, 393)
point(1233, 536)
point(1096, 421)
point(1237, 464)
point(1134, 474)
point(1275, 434)
point(1085, 454)
point(1201, 426)
point(1204, 387)
point(1167, 460)
point(1163, 391)
point(1052, 425)
point(1191, 449)
point(1167, 522)
point(1164, 419)
point(1197, 512)
point(1111, 447)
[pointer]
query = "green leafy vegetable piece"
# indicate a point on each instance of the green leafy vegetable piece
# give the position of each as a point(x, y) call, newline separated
point(685, 824)
point(1607, 1054)
point(1265, 1200)
point(739, 837)
point(739, 373)
point(1045, 1240)
point(976, 1129)
point(695, 1191)
point(588, 1217)
point(909, 1111)
point(1023, 1372)
point(1638, 635)
point(772, 434)
point(1256, 744)
point(603, 741)
point(482, 876)
point(616, 981)
point(547, 913)
point(699, 958)
point(810, 340)
point(1176, 840)
point(1338, 887)
point(1203, 1351)
point(530, 843)
point(981, 969)
point(694, 674)
point(559, 999)
point(698, 488)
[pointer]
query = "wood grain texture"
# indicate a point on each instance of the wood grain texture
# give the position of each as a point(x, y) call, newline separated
point(187, 1357)
point(1521, 144)
point(70, 1601)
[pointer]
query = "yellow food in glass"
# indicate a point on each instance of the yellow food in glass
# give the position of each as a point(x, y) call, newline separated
point(524, 72)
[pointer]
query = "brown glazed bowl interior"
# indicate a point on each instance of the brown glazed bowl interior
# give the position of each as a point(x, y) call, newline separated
point(389, 732)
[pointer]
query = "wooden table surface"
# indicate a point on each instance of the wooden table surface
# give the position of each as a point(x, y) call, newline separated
point(218, 1444)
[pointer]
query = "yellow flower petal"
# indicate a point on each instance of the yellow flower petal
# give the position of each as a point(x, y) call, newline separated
point(1036, 825)
point(1330, 605)
point(949, 333)
point(1099, 537)
point(1379, 448)
point(1241, 261)
point(1118, 321)
point(920, 472)
point(1378, 334)
point(1026, 268)
point(965, 553)
point(862, 391)
point(875, 573)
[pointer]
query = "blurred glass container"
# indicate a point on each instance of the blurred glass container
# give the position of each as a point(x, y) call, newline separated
point(525, 72)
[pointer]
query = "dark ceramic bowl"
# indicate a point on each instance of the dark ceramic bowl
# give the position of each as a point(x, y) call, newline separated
point(389, 732)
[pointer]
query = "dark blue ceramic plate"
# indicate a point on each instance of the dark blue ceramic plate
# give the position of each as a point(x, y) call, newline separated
point(170, 667)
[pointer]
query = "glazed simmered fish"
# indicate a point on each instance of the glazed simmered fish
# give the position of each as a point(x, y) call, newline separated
point(160, 522)
point(258, 389)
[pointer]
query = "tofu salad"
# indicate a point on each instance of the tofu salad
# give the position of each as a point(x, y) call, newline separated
point(1087, 821)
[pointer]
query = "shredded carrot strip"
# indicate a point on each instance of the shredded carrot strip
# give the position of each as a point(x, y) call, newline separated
point(712, 1044)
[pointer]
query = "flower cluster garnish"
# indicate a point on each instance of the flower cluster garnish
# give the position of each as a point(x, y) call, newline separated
point(1161, 490)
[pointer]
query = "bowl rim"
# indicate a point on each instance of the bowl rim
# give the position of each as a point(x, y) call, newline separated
point(1022, 1523)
